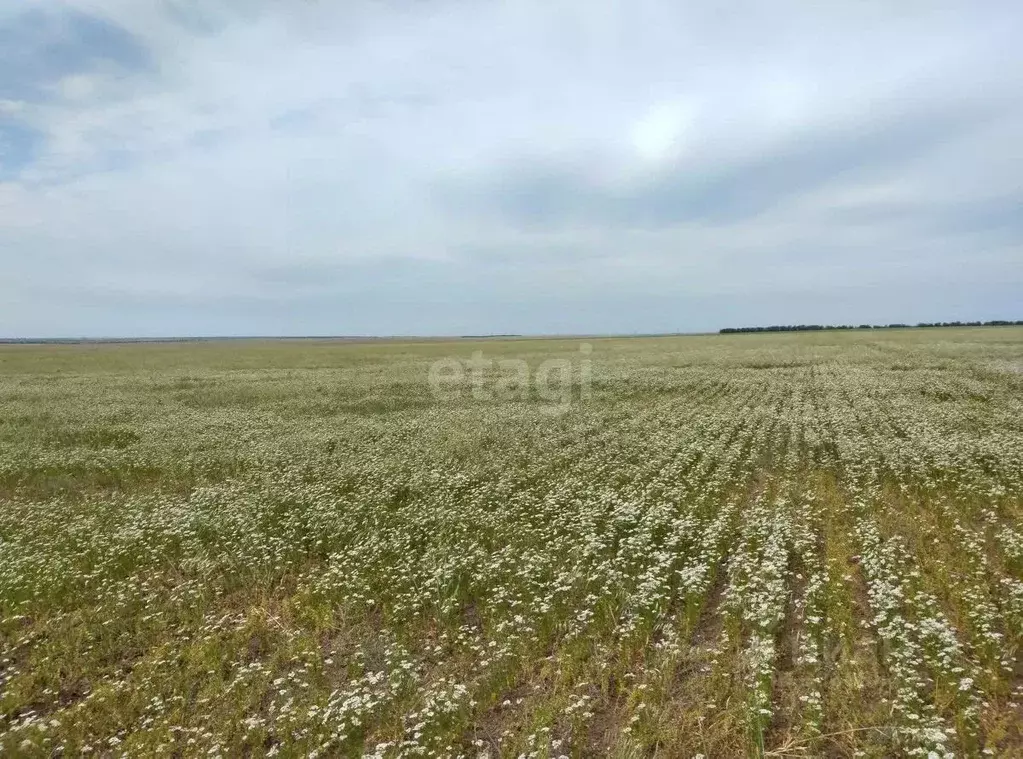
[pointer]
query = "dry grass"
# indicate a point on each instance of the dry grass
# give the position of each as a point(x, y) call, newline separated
point(775, 545)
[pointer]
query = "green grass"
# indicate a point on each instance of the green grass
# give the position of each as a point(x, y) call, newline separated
point(779, 544)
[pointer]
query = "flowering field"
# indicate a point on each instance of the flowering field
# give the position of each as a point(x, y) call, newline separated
point(784, 545)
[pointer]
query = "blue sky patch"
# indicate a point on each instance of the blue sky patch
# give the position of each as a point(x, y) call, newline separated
point(41, 46)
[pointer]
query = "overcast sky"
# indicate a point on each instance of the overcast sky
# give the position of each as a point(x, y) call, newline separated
point(345, 167)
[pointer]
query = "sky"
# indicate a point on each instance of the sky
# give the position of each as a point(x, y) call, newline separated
point(447, 167)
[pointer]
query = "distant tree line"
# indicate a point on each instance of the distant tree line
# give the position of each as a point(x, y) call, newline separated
point(817, 327)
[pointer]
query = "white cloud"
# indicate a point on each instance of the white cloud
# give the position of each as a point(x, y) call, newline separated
point(662, 133)
point(316, 136)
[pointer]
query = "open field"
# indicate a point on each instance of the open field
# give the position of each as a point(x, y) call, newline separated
point(792, 545)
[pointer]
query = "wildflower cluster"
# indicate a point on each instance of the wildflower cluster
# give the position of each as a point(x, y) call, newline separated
point(804, 545)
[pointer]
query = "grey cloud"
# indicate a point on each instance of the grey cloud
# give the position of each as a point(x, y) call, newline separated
point(704, 190)
point(232, 167)
point(999, 217)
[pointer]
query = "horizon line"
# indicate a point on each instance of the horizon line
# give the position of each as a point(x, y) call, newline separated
point(724, 331)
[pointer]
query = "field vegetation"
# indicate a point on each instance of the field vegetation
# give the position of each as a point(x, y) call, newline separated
point(780, 545)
